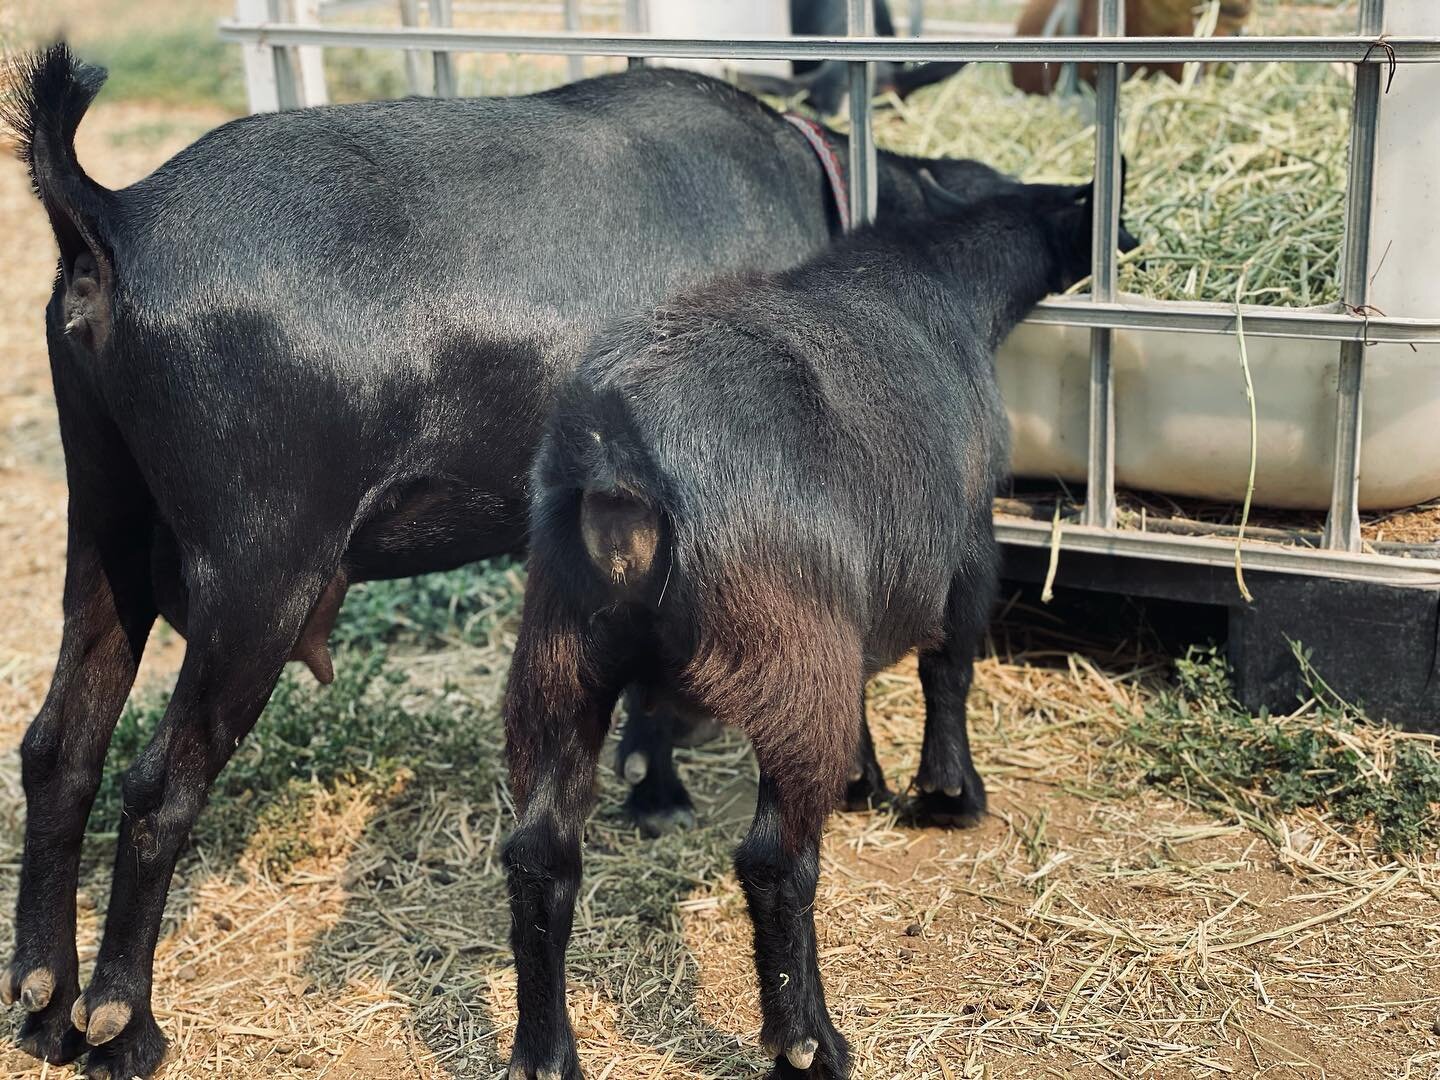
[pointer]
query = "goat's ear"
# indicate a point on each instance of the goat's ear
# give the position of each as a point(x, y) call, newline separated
point(938, 200)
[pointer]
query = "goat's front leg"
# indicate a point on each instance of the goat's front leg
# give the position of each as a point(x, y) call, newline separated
point(865, 788)
point(658, 801)
point(108, 614)
point(557, 710)
point(240, 637)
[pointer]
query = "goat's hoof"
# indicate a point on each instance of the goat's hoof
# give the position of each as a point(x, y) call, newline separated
point(661, 822)
point(955, 811)
point(637, 765)
point(102, 1025)
point(866, 790)
point(134, 1049)
point(660, 804)
point(36, 989)
point(811, 1058)
point(802, 1053)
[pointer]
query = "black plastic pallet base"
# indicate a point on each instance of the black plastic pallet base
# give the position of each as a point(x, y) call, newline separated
point(1376, 646)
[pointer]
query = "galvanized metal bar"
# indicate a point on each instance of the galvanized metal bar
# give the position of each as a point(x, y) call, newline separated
point(416, 81)
point(1100, 457)
point(1198, 317)
point(258, 57)
point(1342, 526)
point(309, 61)
point(636, 21)
point(575, 65)
point(442, 14)
point(1349, 50)
point(917, 18)
point(1207, 551)
point(861, 15)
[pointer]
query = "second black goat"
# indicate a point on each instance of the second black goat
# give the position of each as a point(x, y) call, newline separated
point(749, 501)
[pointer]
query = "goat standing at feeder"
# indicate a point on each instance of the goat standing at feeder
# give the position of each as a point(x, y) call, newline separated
point(750, 501)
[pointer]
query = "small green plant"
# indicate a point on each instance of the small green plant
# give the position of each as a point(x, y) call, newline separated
point(369, 726)
point(1199, 740)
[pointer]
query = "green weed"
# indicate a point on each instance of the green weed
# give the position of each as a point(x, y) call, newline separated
point(1200, 742)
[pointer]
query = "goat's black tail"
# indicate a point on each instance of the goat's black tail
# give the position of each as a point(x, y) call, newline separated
point(49, 92)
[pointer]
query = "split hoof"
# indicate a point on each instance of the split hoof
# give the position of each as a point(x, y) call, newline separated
point(637, 767)
point(802, 1054)
point(106, 1022)
point(134, 1048)
point(36, 989)
point(964, 810)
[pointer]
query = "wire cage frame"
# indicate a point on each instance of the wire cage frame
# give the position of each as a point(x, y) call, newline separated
point(276, 53)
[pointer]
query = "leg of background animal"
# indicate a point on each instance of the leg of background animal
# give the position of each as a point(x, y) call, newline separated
point(658, 801)
point(865, 788)
point(108, 614)
point(557, 711)
point(244, 620)
point(950, 790)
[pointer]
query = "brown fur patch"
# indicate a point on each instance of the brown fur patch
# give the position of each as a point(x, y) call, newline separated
point(777, 664)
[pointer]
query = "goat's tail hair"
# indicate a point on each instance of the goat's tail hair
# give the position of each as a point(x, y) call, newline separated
point(49, 92)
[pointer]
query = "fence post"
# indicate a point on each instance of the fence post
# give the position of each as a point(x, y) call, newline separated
point(575, 65)
point(1100, 473)
point(861, 23)
point(637, 21)
point(310, 59)
point(269, 79)
point(417, 80)
point(1342, 524)
point(442, 14)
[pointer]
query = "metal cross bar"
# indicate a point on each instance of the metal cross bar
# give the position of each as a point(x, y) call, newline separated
point(861, 16)
point(1342, 525)
point(1100, 471)
point(1202, 317)
point(1349, 50)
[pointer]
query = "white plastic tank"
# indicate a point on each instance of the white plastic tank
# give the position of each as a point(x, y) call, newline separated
point(1182, 425)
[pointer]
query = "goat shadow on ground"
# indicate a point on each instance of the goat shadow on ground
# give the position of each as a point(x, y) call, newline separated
point(429, 917)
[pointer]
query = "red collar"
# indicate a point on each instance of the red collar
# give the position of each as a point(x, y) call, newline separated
point(818, 138)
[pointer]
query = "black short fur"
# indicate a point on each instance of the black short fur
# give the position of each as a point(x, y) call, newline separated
point(819, 449)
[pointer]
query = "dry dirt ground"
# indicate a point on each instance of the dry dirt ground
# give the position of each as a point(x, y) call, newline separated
point(1086, 928)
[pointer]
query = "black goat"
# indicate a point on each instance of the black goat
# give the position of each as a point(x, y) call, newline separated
point(749, 501)
point(314, 348)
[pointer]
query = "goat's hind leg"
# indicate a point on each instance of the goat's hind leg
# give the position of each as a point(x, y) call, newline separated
point(108, 614)
point(557, 710)
point(243, 626)
point(949, 789)
point(796, 699)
